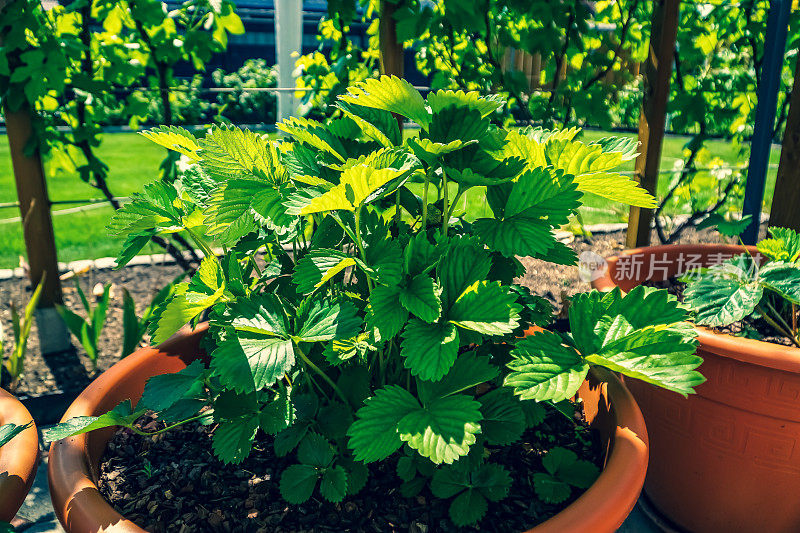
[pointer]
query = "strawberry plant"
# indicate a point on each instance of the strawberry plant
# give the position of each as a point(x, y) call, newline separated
point(359, 316)
point(741, 289)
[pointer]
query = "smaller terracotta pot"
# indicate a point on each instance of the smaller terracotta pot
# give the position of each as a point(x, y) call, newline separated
point(726, 459)
point(74, 462)
point(18, 458)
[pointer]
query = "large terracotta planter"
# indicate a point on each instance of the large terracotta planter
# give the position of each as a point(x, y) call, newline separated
point(73, 468)
point(18, 458)
point(727, 458)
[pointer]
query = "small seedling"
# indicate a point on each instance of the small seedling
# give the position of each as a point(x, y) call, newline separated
point(134, 326)
point(87, 330)
point(21, 328)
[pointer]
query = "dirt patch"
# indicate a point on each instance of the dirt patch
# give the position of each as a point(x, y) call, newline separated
point(72, 371)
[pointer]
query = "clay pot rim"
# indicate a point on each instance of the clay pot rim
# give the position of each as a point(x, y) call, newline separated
point(603, 507)
point(754, 351)
point(18, 458)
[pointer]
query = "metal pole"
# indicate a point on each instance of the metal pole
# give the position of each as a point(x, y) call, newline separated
point(288, 41)
point(769, 84)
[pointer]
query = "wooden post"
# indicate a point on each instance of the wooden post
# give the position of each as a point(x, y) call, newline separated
point(391, 52)
point(785, 210)
point(37, 227)
point(652, 115)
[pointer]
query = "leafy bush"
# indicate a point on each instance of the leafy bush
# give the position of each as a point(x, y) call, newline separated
point(247, 106)
point(741, 289)
point(375, 326)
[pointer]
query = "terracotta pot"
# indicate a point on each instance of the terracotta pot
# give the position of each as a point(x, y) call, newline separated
point(18, 458)
point(727, 458)
point(74, 462)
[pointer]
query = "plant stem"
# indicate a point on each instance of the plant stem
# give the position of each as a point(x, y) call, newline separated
point(322, 374)
point(360, 245)
point(397, 211)
point(162, 430)
point(425, 201)
point(775, 325)
point(445, 207)
point(454, 203)
point(200, 243)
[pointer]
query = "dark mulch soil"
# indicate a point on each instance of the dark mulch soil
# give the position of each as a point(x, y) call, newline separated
point(754, 328)
point(173, 483)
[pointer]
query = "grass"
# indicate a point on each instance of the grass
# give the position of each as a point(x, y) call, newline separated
point(134, 161)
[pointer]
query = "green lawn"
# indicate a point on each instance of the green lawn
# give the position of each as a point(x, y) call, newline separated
point(133, 161)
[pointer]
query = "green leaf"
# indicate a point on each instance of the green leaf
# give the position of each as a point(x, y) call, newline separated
point(390, 94)
point(549, 489)
point(121, 415)
point(444, 429)
point(387, 314)
point(315, 450)
point(261, 313)
point(9, 431)
point(328, 319)
point(729, 228)
point(183, 306)
point(468, 371)
point(248, 362)
point(374, 435)
point(615, 187)
point(233, 439)
point(334, 484)
point(503, 417)
point(564, 465)
point(174, 138)
point(288, 439)
point(164, 390)
point(298, 483)
point(783, 278)
point(542, 368)
point(421, 297)
point(725, 294)
point(315, 134)
point(465, 262)
point(229, 152)
point(486, 307)
point(485, 105)
point(429, 350)
point(654, 354)
point(359, 185)
point(277, 415)
point(334, 419)
point(357, 475)
point(518, 235)
point(493, 481)
point(468, 508)
point(783, 246)
point(376, 124)
point(318, 267)
point(152, 210)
